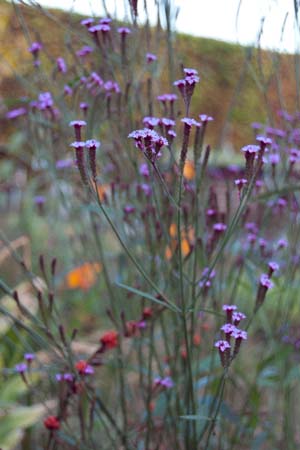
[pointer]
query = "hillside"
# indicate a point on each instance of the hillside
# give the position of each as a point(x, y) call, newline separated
point(238, 85)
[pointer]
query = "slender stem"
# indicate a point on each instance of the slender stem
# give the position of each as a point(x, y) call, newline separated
point(134, 260)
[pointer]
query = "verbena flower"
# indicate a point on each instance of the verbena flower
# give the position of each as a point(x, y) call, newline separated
point(150, 57)
point(29, 357)
point(61, 65)
point(21, 368)
point(229, 309)
point(151, 122)
point(35, 48)
point(77, 125)
point(87, 22)
point(124, 31)
point(219, 227)
point(149, 142)
point(237, 317)
point(205, 118)
point(166, 382)
point(84, 51)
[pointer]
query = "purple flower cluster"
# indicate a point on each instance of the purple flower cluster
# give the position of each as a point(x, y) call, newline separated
point(96, 85)
point(149, 142)
point(187, 85)
point(230, 332)
point(165, 382)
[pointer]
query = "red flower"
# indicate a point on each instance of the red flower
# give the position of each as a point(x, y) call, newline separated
point(147, 313)
point(109, 339)
point(130, 328)
point(52, 423)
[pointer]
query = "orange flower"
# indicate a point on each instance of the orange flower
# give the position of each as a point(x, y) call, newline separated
point(103, 190)
point(189, 170)
point(84, 276)
point(109, 339)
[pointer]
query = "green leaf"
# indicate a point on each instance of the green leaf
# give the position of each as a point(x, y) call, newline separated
point(168, 305)
point(14, 420)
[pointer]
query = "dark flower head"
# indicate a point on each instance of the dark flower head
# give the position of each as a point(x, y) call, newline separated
point(150, 57)
point(124, 30)
point(87, 22)
point(61, 65)
point(84, 51)
point(35, 48)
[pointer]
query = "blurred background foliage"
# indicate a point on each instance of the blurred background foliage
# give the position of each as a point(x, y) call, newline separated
point(240, 85)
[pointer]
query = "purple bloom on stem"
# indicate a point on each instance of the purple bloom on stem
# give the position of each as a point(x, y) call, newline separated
point(282, 243)
point(204, 118)
point(172, 134)
point(144, 170)
point(228, 329)
point(168, 123)
point(166, 382)
point(68, 90)
point(229, 309)
point(273, 266)
point(189, 121)
point(274, 159)
point(190, 72)
point(35, 48)
point(265, 140)
point(77, 124)
point(167, 98)
point(14, 113)
point(89, 370)
point(224, 352)
point(151, 122)
point(250, 149)
point(266, 282)
point(21, 368)
point(78, 145)
point(239, 336)
point(222, 345)
point(219, 227)
point(39, 199)
point(92, 145)
point(124, 30)
point(237, 317)
point(105, 20)
point(29, 357)
point(84, 51)
point(150, 57)
point(87, 22)
point(45, 100)
point(129, 209)
point(61, 65)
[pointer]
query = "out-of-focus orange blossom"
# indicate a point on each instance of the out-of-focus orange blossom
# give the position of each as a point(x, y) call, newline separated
point(84, 276)
point(103, 190)
point(187, 240)
point(189, 170)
